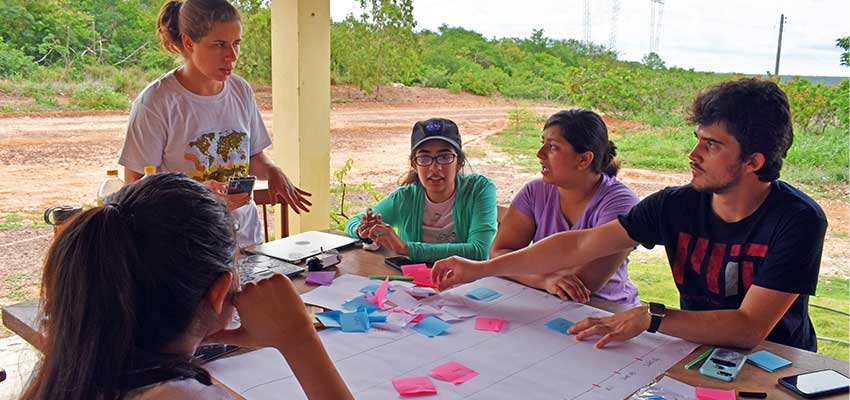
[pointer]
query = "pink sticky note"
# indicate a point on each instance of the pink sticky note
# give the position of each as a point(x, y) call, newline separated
point(420, 272)
point(414, 386)
point(714, 394)
point(453, 372)
point(321, 277)
point(381, 293)
point(411, 269)
point(417, 318)
point(489, 324)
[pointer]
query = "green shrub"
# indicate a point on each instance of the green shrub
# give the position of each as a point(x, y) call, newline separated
point(815, 107)
point(14, 63)
point(91, 97)
point(479, 80)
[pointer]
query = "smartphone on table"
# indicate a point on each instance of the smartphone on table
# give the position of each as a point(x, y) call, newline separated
point(817, 384)
point(398, 262)
point(241, 184)
point(209, 352)
point(723, 364)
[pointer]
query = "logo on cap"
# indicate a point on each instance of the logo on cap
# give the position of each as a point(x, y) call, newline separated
point(434, 126)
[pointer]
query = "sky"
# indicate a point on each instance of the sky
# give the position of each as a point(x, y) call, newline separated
point(715, 35)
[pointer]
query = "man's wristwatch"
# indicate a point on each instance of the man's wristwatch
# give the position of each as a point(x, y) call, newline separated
point(657, 311)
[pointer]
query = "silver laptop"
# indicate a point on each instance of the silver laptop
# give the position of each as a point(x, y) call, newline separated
point(298, 247)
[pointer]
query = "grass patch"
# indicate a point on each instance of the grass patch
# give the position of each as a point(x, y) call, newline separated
point(661, 148)
point(837, 233)
point(21, 219)
point(651, 273)
point(20, 287)
point(97, 97)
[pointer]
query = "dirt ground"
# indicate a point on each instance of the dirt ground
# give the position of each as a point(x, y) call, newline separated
point(60, 158)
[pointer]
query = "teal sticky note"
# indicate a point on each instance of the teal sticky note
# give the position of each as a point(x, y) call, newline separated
point(373, 288)
point(431, 326)
point(377, 318)
point(357, 302)
point(369, 289)
point(354, 321)
point(559, 325)
point(767, 361)
point(483, 294)
point(330, 319)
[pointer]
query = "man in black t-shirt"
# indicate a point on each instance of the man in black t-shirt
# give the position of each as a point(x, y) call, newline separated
point(743, 246)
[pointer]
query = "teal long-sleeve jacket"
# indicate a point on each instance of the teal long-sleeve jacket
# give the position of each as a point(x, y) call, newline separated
point(474, 213)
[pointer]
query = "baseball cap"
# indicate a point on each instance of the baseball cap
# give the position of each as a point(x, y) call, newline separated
point(435, 128)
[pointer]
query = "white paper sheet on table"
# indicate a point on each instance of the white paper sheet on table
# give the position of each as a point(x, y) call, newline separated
point(526, 360)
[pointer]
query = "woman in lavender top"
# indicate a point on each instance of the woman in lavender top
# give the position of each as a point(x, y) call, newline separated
point(578, 190)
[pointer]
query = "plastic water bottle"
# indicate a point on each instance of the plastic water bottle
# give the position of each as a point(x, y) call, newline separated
point(149, 170)
point(110, 185)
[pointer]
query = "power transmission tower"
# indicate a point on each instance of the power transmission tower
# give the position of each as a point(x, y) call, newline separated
point(587, 21)
point(657, 9)
point(782, 20)
point(615, 13)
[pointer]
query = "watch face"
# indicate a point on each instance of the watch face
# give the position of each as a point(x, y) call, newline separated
point(657, 309)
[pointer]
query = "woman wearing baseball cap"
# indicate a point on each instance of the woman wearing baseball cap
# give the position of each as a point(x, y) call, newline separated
point(438, 211)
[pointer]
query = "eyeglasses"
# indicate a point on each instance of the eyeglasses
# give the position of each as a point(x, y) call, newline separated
point(442, 159)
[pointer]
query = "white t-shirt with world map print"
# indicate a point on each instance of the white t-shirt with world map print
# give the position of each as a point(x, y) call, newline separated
point(205, 137)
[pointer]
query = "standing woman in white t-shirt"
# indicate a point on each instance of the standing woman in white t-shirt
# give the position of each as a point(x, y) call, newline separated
point(202, 120)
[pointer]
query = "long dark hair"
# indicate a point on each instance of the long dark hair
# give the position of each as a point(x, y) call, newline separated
point(126, 279)
point(192, 17)
point(585, 131)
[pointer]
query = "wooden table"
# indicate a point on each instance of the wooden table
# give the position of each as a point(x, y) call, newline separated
point(21, 318)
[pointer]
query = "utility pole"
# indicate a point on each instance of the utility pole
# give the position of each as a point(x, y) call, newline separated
point(779, 45)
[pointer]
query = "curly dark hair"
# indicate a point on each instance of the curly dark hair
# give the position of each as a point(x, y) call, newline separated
point(754, 111)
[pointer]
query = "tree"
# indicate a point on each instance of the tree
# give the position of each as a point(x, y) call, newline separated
point(844, 44)
point(379, 47)
point(653, 61)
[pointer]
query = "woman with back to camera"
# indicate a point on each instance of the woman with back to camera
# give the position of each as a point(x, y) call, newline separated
point(439, 210)
point(578, 190)
point(202, 120)
point(130, 290)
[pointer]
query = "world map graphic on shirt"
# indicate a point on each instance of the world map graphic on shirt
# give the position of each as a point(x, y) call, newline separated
point(219, 155)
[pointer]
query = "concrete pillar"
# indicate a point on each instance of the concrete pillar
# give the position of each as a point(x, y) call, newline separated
point(301, 57)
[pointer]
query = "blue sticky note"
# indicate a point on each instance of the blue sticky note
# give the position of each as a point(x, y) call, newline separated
point(357, 302)
point(330, 319)
point(369, 289)
point(559, 325)
point(354, 321)
point(767, 361)
point(431, 326)
point(483, 294)
point(377, 318)
point(373, 288)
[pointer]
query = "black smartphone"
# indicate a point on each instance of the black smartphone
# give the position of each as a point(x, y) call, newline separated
point(816, 384)
point(398, 262)
point(210, 352)
point(240, 184)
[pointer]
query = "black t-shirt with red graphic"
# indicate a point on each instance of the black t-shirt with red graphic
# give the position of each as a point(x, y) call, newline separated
point(714, 263)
